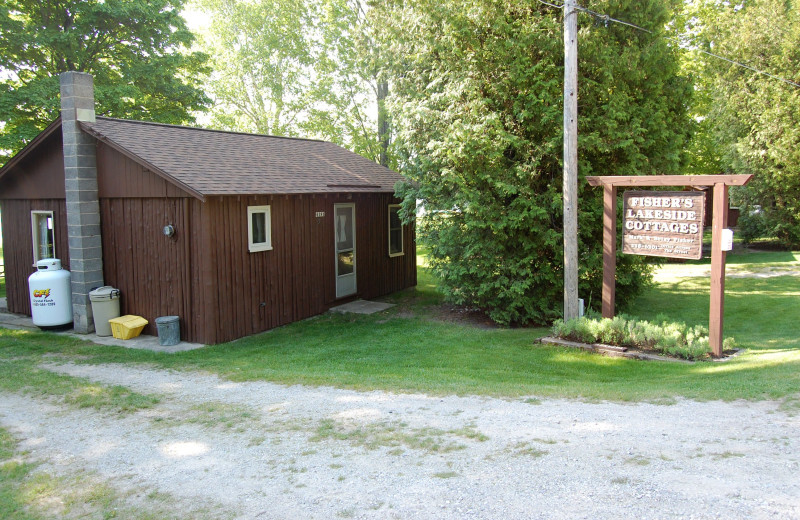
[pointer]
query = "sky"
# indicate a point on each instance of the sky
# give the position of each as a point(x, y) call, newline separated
point(195, 18)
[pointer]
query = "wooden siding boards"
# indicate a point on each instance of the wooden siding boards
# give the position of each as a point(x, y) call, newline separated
point(262, 290)
point(39, 175)
point(119, 176)
point(204, 273)
point(154, 273)
point(36, 184)
point(149, 268)
point(18, 246)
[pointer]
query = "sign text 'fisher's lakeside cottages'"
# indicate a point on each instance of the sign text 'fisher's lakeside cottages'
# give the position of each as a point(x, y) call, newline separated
point(664, 223)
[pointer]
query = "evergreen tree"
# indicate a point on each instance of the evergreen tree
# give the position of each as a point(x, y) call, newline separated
point(477, 109)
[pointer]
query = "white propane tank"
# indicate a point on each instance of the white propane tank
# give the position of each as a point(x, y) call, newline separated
point(51, 294)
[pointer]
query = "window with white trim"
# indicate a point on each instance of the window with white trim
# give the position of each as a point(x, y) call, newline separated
point(395, 231)
point(259, 229)
point(43, 234)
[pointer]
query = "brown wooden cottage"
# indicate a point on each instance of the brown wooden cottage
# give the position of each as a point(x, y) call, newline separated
point(235, 233)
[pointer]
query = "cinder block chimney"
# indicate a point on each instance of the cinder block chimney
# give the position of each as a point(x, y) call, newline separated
point(83, 204)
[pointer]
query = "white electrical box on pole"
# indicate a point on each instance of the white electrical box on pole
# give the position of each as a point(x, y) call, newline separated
point(571, 309)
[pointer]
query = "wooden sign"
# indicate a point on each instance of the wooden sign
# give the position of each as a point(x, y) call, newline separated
point(719, 222)
point(663, 223)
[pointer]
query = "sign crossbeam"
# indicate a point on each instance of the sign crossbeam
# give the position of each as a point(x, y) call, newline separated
point(720, 185)
point(668, 180)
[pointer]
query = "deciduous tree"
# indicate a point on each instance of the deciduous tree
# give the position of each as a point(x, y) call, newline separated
point(137, 51)
point(296, 68)
point(753, 120)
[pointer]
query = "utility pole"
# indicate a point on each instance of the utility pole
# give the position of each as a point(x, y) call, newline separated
point(570, 159)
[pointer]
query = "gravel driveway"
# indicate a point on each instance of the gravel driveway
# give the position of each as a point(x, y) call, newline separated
point(216, 449)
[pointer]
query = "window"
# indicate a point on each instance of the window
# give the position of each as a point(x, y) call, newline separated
point(395, 231)
point(44, 244)
point(259, 229)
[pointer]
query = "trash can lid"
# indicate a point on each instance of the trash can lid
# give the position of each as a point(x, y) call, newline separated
point(103, 293)
point(163, 320)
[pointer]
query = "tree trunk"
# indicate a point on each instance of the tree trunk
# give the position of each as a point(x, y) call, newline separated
point(384, 133)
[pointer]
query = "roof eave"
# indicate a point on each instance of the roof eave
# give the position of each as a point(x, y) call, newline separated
point(310, 191)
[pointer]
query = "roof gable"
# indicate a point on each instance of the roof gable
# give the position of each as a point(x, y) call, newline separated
point(37, 171)
point(30, 147)
point(211, 162)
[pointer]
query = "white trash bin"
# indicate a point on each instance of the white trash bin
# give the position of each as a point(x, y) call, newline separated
point(105, 306)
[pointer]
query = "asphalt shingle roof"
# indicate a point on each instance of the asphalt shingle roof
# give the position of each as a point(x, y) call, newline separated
point(212, 162)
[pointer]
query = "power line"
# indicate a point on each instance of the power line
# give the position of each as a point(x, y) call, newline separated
point(790, 82)
point(551, 5)
point(606, 19)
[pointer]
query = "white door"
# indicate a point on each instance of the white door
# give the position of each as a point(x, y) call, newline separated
point(344, 218)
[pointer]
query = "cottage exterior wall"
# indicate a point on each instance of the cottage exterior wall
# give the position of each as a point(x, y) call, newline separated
point(249, 293)
point(18, 246)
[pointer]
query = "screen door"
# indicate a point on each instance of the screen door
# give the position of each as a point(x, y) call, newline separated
point(345, 233)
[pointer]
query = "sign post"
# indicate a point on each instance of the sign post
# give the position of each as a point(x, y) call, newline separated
point(661, 232)
point(718, 223)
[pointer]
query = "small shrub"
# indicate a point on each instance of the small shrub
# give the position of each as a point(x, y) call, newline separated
point(662, 335)
point(612, 331)
point(577, 329)
point(752, 225)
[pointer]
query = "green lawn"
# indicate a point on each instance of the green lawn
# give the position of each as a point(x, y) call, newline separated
point(411, 348)
point(761, 313)
point(12, 477)
point(753, 258)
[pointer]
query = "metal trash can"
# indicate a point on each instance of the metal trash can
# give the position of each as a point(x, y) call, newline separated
point(105, 306)
point(169, 330)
